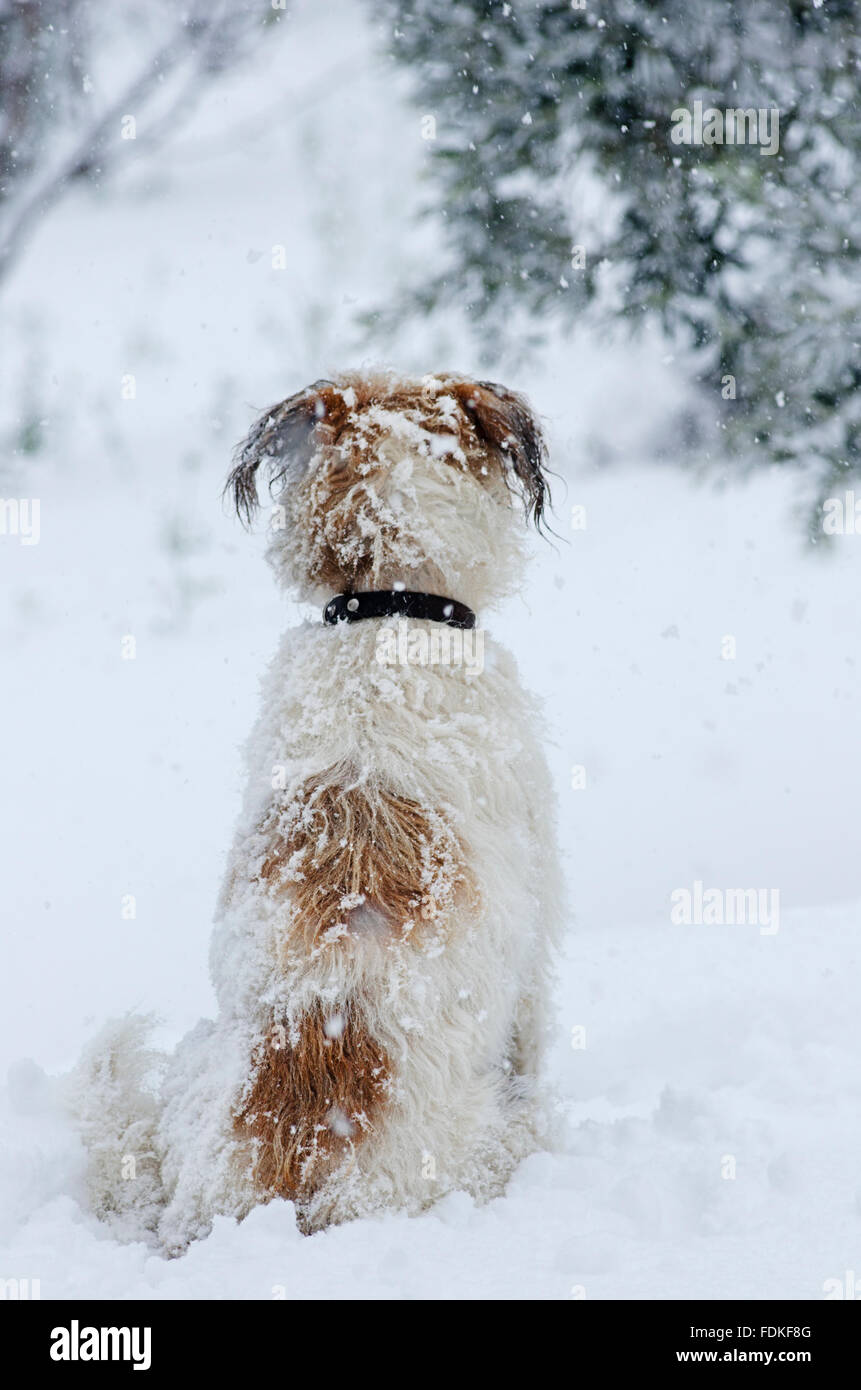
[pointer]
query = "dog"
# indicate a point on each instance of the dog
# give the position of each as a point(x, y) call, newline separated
point(392, 901)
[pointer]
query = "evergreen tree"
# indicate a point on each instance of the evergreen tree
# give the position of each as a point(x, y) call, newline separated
point(752, 256)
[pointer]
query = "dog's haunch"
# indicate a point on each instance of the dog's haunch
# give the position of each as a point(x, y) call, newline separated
point(318, 1085)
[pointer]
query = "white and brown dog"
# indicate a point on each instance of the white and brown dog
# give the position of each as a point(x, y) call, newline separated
point(392, 897)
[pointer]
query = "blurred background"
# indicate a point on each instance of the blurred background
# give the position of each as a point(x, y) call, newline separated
point(204, 208)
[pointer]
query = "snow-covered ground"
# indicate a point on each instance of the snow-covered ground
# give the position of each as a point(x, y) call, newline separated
point(709, 1133)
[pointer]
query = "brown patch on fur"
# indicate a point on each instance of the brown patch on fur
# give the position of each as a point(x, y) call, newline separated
point(342, 848)
point(318, 1087)
point(499, 439)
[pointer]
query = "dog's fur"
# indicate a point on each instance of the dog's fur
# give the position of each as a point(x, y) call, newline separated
point(383, 936)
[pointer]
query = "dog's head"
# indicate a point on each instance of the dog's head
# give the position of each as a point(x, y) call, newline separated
point(379, 480)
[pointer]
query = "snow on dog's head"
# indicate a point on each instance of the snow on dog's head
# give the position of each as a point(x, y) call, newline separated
point(379, 480)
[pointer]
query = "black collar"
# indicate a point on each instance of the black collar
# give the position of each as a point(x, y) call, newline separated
point(390, 603)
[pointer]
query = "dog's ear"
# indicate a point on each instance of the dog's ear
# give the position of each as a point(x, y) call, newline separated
point(504, 420)
point(282, 437)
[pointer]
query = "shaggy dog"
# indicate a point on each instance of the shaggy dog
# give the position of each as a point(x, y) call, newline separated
point(383, 935)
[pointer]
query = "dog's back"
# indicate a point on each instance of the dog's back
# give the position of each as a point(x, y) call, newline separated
point(397, 876)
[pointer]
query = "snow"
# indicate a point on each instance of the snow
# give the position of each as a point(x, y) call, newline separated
point(707, 1049)
point(697, 1048)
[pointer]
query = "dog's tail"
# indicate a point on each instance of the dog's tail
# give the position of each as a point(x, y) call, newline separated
point(113, 1095)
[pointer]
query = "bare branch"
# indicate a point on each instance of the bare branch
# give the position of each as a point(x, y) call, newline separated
point(206, 35)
